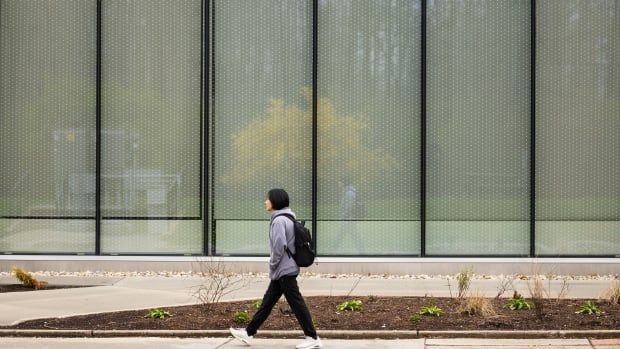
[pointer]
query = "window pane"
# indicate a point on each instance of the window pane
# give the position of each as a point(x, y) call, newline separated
point(262, 116)
point(368, 127)
point(47, 126)
point(578, 127)
point(151, 122)
point(478, 120)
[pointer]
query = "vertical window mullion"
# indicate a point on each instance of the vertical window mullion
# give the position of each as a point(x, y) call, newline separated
point(533, 128)
point(204, 124)
point(423, 133)
point(98, 137)
point(315, 19)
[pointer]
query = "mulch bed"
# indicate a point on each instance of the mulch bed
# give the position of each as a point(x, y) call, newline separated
point(378, 313)
point(22, 288)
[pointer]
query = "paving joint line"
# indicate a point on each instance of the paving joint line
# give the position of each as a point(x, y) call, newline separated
point(333, 334)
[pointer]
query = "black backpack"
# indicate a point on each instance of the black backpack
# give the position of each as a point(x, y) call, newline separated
point(304, 254)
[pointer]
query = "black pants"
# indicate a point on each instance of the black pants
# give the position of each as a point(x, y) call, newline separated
point(286, 285)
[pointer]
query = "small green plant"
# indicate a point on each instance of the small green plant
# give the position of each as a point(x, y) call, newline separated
point(589, 308)
point(352, 305)
point(415, 318)
point(256, 305)
point(518, 304)
point(432, 310)
point(157, 313)
point(241, 317)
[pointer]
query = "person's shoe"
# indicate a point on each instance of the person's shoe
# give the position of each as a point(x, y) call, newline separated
point(242, 335)
point(310, 343)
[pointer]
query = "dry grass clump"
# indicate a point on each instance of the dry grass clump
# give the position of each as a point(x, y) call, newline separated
point(464, 281)
point(477, 305)
point(613, 293)
point(27, 280)
point(538, 294)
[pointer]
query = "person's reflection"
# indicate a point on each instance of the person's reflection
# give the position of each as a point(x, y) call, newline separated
point(349, 235)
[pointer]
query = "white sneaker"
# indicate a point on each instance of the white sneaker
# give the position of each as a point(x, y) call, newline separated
point(242, 335)
point(310, 343)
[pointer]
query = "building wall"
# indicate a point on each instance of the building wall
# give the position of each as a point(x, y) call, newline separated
point(399, 127)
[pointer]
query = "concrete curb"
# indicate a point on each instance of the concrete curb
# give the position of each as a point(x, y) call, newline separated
point(333, 334)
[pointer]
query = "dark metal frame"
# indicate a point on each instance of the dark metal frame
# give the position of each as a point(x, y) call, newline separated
point(423, 131)
point(532, 128)
point(210, 115)
point(315, 71)
point(98, 135)
point(204, 121)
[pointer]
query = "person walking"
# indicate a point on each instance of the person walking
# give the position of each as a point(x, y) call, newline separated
point(283, 273)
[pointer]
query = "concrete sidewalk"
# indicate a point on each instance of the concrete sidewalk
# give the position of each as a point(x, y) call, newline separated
point(229, 343)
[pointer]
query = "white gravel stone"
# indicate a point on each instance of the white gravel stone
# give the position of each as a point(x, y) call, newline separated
point(312, 275)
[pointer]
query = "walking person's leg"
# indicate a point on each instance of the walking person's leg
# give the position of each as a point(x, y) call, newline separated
point(289, 287)
point(271, 297)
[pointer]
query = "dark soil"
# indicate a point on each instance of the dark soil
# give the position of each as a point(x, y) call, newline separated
point(22, 288)
point(378, 313)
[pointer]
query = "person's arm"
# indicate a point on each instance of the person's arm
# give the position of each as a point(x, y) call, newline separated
point(277, 235)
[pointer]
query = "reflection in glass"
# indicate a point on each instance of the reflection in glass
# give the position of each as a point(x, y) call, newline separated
point(478, 115)
point(262, 116)
point(578, 127)
point(47, 126)
point(368, 127)
point(151, 118)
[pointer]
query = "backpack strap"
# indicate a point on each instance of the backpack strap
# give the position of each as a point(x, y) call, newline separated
point(289, 216)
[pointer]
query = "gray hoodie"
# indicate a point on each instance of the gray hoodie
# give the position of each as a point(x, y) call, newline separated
point(281, 234)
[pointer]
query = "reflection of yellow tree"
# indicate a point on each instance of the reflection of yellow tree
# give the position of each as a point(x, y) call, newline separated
point(279, 145)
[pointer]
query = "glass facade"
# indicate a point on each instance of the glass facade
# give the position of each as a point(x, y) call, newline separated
point(578, 127)
point(368, 127)
point(151, 126)
point(478, 127)
point(48, 51)
point(398, 127)
point(261, 116)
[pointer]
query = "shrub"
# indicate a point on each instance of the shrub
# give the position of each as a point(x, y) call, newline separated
point(506, 283)
point(157, 313)
point(477, 305)
point(27, 280)
point(352, 305)
point(218, 281)
point(589, 308)
point(241, 317)
point(257, 304)
point(613, 293)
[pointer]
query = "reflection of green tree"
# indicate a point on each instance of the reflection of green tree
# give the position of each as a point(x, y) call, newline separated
point(279, 144)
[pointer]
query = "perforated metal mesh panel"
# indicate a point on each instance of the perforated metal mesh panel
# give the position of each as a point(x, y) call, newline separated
point(47, 125)
point(369, 127)
point(151, 123)
point(262, 116)
point(478, 122)
point(578, 127)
